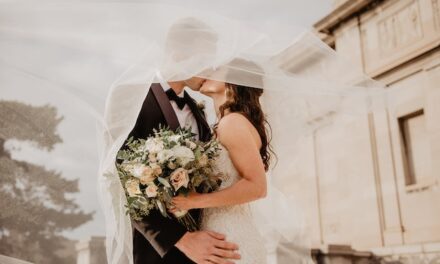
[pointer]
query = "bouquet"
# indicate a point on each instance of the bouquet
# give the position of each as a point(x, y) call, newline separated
point(168, 164)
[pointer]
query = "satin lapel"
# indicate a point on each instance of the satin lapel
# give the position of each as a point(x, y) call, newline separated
point(165, 106)
point(202, 125)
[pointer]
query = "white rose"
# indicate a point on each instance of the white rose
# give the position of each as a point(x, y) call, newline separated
point(154, 145)
point(151, 191)
point(165, 155)
point(179, 178)
point(184, 155)
point(137, 170)
point(132, 187)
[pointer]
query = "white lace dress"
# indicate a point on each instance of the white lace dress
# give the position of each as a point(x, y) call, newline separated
point(236, 222)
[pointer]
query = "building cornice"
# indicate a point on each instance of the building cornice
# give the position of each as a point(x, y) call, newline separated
point(341, 13)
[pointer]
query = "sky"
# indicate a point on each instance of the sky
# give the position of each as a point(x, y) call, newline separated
point(77, 156)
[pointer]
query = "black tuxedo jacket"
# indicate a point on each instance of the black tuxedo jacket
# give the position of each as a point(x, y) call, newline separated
point(155, 236)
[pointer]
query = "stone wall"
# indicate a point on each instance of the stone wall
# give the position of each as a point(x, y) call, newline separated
point(376, 182)
point(8, 260)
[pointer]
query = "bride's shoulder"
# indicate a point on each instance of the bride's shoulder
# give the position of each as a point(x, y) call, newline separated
point(232, 120)
point(233, 125)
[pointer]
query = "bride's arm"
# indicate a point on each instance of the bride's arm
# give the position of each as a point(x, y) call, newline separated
point(234, 132)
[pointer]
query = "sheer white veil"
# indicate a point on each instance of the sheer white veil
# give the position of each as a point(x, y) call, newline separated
point(113, 50)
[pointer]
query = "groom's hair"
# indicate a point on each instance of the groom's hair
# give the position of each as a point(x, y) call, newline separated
point(189, 38)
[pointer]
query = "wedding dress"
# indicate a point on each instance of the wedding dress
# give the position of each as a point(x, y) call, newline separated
point(237, 221)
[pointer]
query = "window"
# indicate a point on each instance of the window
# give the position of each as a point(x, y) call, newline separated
point(415, 149)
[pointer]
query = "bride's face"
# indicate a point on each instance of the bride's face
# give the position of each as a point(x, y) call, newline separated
point(211, 87)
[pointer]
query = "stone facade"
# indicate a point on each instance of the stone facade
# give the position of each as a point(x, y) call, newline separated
point(380, 192)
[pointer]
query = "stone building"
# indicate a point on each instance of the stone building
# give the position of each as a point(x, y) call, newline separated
point(380, 195)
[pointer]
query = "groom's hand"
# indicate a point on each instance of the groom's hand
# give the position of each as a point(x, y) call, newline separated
point(208, 247)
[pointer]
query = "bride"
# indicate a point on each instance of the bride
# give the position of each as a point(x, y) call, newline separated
point(245, 156)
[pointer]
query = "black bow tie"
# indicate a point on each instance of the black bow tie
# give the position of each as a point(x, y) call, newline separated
point(180, 101)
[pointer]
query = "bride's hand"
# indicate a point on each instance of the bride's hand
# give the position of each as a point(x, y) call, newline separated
point(186, 202)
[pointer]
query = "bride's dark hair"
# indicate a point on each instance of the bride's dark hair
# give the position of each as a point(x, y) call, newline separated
point(246, 101)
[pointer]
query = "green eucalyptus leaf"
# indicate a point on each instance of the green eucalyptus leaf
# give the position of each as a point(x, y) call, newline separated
point(164, 182)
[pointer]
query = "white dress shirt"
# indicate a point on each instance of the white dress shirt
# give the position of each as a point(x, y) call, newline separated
point(185, 115)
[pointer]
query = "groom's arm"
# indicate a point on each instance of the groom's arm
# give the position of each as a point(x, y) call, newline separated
point(162, 233)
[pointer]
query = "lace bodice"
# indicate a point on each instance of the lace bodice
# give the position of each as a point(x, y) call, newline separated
point(236, 222)
point(225, 166)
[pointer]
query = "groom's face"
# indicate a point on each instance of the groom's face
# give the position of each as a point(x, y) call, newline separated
point(195, 83)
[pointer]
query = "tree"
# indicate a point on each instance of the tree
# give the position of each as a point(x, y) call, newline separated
point(34, 205)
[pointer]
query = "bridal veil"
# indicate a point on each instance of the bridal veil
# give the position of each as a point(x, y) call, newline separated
point(103, 55)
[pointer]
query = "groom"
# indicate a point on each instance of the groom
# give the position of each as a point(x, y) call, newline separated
point(157, 239)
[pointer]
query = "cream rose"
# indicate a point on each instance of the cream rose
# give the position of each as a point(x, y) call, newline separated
point(183, 155)
point(157, 170)
point(132, 187)
point(151, 191)
point(147, 175)
point(179, 178)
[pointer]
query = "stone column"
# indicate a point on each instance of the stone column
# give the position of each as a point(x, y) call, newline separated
point(91, 251)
